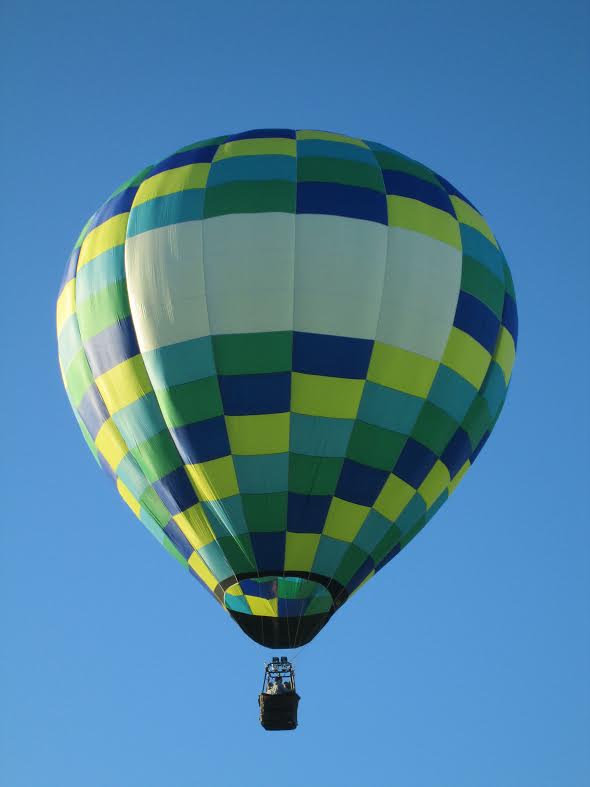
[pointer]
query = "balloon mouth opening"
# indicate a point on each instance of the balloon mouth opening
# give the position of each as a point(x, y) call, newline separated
point(279, 611)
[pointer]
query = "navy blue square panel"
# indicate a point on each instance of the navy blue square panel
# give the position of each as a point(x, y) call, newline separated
point(195, 156)
point(202, 441)
point(331, 356)
point(110, 347)
point(336, 199)
point(414, 463)
point(92, 410)
point(106, 467)
point(120, 203)
point(261, 589)
point(474, 317)
point(263, 133)
point(457, 452)
point(256, 394)
point(178, 538)
point(360, 575)
point(176, 491)
point(453, 192)
point(359, 483)
point(307, 513)
point(510, 316)
point(478, 448)
point(402, 184)
point(269, 552)
point(292, 607)
point(71, 268)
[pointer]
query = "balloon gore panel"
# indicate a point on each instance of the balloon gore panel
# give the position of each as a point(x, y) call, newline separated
point(287, 348)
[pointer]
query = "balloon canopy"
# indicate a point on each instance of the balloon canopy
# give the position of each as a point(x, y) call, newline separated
point(287, 348)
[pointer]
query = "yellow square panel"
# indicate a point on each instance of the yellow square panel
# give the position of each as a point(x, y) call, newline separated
point(104, 237)
point(110, 444)
point(271, 146)
point(434, 484)
point(195, 526)
point(198, 565)
point(123, 384)
point(466, 356)
point(505, 353)
point(328, 136)
point(192, 176)
point(234, 590)
point(394, 497)
point(300, 551)
point(258, 434)
point(457, 479)
point(214, 480)
point(128, 497)
point(266, 607)
point(66, 304)
point(411, 214)
point(332, 397)
point(469, 216)
point(401, 369)
point(344, 519)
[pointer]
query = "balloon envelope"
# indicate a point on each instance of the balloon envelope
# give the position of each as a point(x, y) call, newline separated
point(287, 348)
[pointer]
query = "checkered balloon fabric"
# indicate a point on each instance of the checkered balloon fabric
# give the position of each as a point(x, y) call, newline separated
point(287, 348)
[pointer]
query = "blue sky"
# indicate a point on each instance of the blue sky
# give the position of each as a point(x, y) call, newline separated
point(115, 668)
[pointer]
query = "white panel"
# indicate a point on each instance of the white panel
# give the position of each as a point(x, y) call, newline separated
point(420, 293)
point(339, 270)
point(249, 272)
point(164, 269)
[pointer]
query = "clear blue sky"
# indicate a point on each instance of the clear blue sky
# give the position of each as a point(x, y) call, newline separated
point(116, 669)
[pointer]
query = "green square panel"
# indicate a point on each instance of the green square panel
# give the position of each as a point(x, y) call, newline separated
point(389, 160)
point(253, 353)
point(191, 402)
point(477, 421)
point(78, 378)
point(260, 196)
point(172, 550)
point(480, 282)
point(374, 446)
point(374, 529)
point(204, 143)
point(329, 555)
point(150, 501)
point(391, 538)
point(157, 456)
point(351, 562)
point(103, 309)
point(347, 172)
point(238, 553)
point(413, 531)
point(265, 513)
point(508, 282)
point(319, 605)
point(314, 475)
point(434, 428)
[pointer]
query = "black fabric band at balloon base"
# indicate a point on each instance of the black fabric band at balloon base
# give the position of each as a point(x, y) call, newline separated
point(281, 633)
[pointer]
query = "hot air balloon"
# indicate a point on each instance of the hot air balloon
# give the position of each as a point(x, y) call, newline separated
point(287, 348)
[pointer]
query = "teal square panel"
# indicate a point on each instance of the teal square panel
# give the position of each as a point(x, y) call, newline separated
point(389, 409)
point(452, 393)
point(262, 474)
point(329, 555)
point(226, 516)
point(180, 363)
point(318, 436)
